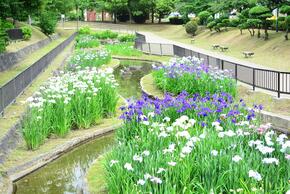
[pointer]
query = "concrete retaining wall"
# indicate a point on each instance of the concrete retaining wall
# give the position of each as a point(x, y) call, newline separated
point(7, 60)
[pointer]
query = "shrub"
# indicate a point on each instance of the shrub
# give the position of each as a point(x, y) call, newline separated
point(73, 16)
point(73, 99)
point(27, 32)
point(175, 20)
point(107, 34)
point(234, 22)
point(210, 19)
point(191, 75)
point(211, 25)
point(123, 49)
point(85, 30)
point(127, 38)
point(191, 27)
point(47, 22)
point(86, 41)
point(139, 17)
point(203, 16)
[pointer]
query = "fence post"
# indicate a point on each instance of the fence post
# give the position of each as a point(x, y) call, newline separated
point(149, 48)
point(207, 60)
point(279, 89)
point(142, 46)
point(222, 64)
point(198, 55)
point(160, 49)
point(2, 103)
point(254, 79)
point(236, 72)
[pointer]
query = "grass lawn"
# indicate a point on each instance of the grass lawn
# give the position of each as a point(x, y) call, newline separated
point(273, 53)
point(95, 177)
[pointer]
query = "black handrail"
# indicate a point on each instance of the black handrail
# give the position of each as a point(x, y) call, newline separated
point(14, 87)
point(272, 80)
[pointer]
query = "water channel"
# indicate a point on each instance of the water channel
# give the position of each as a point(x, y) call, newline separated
point(65, 175)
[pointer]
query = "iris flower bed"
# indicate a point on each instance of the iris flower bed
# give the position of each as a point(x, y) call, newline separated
point(89, 58)
point(71, 100)
point(123, 49)
point(86, 41)
point(191, 75)
point(194, 144)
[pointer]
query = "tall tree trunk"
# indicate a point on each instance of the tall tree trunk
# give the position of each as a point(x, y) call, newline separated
point(286, 35)
point(266, 33)
point(152, 16)
point(259, 32)
point(159, 19)
point(102, 15)
point(130, 14)
point(115, 18)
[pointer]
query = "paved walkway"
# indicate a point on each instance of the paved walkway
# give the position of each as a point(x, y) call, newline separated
point(244, 74)
point(153, 38)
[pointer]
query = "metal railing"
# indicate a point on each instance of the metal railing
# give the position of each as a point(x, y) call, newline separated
point(275, 81)
point(14, 87)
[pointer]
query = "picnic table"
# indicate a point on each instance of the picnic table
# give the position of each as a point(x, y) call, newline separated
point(248, 53)
point(215, 46)
point(224, 48)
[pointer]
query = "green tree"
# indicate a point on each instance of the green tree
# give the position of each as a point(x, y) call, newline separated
point(286, 10)
point(203, 17)
point(262, 13)
point(163, 8)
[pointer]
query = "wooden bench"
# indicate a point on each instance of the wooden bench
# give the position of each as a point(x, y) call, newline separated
point(215, 46)
point(224, 48)
point(248, 54)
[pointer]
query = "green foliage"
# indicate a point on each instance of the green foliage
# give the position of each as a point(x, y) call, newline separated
point(73, 16)
point(209, 19)
point(86, 41)
point(27, 32)
point(234, 22)
point(127, 38)
point(285, 9)
point(260, 12)
point(47, 22)
point(107, 34)
point(254, 23)
point(85, 30)
point(191, 27)
point(123, 49)
point(77, 99)
point(4, 25)
point(203, 16)
point(211, 25)
point(82, 59)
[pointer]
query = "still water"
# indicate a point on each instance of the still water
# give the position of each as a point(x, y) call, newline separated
point(65, 175)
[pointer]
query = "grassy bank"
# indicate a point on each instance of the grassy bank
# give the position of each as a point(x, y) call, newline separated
point(9, 74)
point(273, 53)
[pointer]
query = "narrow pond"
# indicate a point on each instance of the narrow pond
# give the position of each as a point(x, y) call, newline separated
point(65, 175)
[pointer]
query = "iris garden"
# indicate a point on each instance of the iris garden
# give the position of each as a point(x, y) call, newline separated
point(199, 138)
